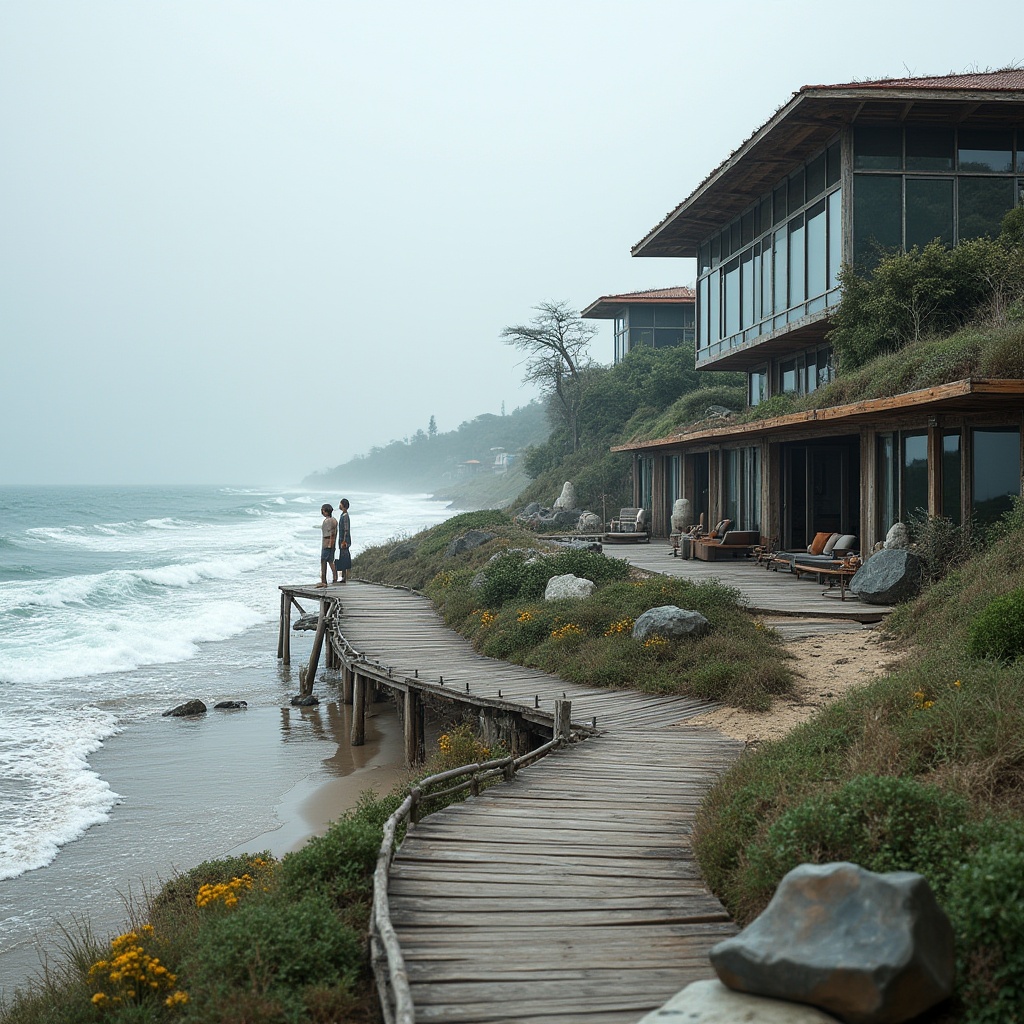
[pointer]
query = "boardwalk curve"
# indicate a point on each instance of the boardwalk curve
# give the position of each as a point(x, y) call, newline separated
point(570, 893)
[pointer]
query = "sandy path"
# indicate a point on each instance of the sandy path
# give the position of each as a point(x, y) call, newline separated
point(826, 667)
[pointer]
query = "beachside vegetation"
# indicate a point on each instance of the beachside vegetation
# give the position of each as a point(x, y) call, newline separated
point(921, 770)
point(493, 595)
point(250, 939)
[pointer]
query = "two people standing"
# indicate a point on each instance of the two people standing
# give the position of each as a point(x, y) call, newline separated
point(335, 531)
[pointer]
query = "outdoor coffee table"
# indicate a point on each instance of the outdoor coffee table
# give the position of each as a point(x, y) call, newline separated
point(831, 573)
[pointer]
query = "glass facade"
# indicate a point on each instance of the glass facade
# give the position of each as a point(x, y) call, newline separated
point(775, 263)
point(656, 326)
point(996, 472)
point(914, 185)
point(741, 487)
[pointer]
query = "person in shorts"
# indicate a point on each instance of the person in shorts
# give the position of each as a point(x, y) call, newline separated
point(329, 529)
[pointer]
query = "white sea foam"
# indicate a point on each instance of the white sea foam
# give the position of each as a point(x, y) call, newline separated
point(49, 794)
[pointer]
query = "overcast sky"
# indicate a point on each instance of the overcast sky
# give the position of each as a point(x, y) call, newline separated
point(241, 241)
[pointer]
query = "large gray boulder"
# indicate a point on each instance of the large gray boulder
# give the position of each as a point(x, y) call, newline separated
point(467, 542)
point(710, 1002)
point(560, 587)
point(590, 522)
point(186, 710)
point(887, 577)
point(869, 948)
point(671, 622)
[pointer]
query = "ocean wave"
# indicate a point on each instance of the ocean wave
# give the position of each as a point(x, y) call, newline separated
point(49, 795)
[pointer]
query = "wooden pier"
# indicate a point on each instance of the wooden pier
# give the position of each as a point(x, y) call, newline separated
point(569, 893)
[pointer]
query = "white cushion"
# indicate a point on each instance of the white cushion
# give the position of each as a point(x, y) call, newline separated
point(845, 543)
point(830, 544)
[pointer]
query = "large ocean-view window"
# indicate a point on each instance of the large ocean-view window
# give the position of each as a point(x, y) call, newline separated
point(985, 151)
point(983, 204)
point(996, 477)
point(888, 483)
point(878, 149)
point(958, 185)
point(929, 211)
point(817, 256)
point(741, 487)
point(876, 215)
point(915, 474)
point(930, 149)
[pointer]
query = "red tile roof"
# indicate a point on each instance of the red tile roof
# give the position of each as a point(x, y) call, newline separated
point(1001, 81)
point(608, 306)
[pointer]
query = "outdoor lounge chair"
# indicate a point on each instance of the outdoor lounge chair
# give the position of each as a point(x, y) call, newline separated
point(631, 525)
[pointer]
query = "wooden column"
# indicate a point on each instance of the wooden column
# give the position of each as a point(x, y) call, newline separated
point(934, 467)
point(358, 737)
point(286, 628)
point(563, 719)
point(318, 643)
point(411, 716)
point(346, 683)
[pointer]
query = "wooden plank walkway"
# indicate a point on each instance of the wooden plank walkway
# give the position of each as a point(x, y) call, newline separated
point(571, 893)
point(766, 592)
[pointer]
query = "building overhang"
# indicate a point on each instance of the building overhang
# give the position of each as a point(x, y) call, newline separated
point(971, 395)
point(609, 306)
point(793, 337)
point(805, 125)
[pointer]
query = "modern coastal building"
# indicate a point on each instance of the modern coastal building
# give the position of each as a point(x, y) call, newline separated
point(839, 174)
point(659, 318)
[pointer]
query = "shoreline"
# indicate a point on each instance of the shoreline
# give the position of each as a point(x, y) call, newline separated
point(190, 790)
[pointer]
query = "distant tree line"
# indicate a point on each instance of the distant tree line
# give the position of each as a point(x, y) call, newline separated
point(429, 458)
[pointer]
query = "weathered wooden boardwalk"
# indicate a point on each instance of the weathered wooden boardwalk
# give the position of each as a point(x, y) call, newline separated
point(570, 893)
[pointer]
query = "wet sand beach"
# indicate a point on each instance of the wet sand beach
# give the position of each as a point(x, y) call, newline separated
point(262, 778)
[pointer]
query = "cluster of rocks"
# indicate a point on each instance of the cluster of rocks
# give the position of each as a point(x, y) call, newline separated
point(893, 572)
point(836, 942)
point(564, 514)
point(196, 707)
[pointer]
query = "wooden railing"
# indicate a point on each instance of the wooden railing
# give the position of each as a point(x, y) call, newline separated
point(386, 953)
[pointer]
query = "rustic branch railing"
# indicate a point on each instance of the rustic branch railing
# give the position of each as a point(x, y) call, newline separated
point(386, 953)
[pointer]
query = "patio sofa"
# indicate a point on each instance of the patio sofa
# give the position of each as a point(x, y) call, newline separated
point(729, 544)
point(826, 550)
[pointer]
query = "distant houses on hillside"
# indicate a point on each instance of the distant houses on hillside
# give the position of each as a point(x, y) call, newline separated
point(839, 172)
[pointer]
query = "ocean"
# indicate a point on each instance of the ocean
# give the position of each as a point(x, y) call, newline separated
point(116, 604)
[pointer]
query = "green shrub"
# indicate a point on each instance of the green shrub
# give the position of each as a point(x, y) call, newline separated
point(941, 544)
point(273, 950)
point(340, 863)
point(986, 906)
point(998, 631)
point(503, 579)
point(882, 823)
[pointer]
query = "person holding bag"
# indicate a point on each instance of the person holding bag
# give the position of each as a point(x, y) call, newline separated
point(344, 561)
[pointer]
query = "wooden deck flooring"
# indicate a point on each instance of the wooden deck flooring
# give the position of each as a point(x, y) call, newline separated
point(571, 893)
point(766, 592)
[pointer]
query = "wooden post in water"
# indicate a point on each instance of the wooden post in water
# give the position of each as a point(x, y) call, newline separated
point(346, 683)
point(285, 640)
point(563, 719)
point(318, 643)
point(358, 737)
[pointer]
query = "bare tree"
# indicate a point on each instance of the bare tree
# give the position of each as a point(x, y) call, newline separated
point(555, 343)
